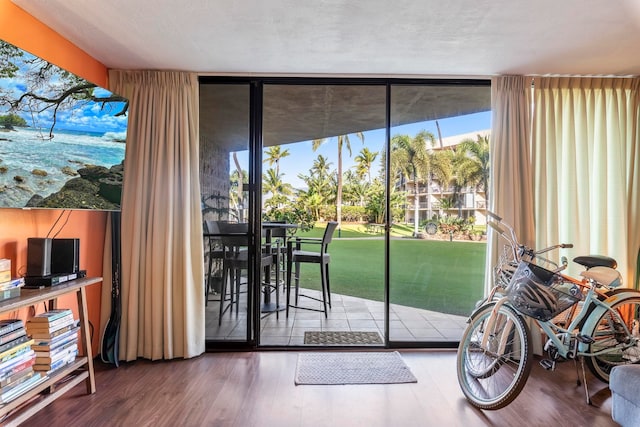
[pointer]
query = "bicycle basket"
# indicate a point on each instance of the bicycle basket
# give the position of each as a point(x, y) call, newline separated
point(539, 293)
point(504, 269)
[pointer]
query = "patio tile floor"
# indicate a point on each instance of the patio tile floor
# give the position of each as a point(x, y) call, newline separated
point(347, 314)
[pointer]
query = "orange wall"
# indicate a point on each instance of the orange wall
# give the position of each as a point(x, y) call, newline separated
point(23, 30)
point(16, 225)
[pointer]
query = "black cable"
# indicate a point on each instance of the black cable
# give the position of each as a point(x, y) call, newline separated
point(63, 225)
point(54, 224)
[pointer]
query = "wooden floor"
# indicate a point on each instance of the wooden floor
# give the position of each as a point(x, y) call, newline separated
point(257, 389)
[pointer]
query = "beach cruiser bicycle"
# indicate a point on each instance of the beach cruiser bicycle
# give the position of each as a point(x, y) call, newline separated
point(588, 319)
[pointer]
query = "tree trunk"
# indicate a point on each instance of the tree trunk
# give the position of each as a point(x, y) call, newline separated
point(339, 195)
point(240, 188)
point(416, 204)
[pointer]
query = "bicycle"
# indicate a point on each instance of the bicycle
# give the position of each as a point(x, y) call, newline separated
point(590, 319)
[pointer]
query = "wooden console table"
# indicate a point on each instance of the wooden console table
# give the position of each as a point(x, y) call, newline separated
point(27, 404)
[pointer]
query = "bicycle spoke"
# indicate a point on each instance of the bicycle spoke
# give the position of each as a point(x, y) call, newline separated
point(492, 376)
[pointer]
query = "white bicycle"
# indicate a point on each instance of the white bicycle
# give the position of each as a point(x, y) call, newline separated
point(495, 354)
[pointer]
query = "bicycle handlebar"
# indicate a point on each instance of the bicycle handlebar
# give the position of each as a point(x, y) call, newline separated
point(519, 250)
point(494, 216)
point(496, 227)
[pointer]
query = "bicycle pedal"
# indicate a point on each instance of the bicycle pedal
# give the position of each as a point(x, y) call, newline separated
point(585, 339)
point(547, 364)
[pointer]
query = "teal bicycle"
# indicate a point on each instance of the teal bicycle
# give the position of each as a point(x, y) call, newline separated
point(589, 319)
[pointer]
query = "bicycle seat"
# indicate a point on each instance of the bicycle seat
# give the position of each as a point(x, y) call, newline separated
point(604, 275)
point(591, 261)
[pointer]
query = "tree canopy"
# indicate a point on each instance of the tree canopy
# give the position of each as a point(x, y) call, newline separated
point(11, 120)
point(43, 87)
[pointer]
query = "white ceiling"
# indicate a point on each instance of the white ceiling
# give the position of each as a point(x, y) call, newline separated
point(353, 37)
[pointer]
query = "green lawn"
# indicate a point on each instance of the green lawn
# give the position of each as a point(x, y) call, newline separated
point(434, 275)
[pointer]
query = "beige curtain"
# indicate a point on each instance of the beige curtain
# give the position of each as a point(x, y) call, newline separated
point(105, 296)
point(162, 255)
point(511, 175)
point(586, 155)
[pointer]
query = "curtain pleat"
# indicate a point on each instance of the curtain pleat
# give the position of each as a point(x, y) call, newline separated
point(511, 172)
point(586, 159)
point(511, 175)
point(162, 255)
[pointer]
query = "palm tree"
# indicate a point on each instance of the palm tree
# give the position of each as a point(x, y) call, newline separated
point(410, 160)
point(364, 161)
point(441, 167)
point(478, 153)
point(272, 183)
point(342, 140)
point(236, 195)
point(320, 167)
point(354, 189)
point(274, 154)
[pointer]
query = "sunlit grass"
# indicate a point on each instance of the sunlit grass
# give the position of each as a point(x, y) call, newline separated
point(429, 274)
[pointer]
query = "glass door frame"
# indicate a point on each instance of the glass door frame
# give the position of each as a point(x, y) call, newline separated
point(256, 85)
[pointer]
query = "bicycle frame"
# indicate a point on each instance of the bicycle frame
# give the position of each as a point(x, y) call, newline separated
point(591, 311)
point(596, 303)
point(588, 319)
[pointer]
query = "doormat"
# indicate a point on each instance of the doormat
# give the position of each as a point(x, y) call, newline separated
point(352, 368)
point(342, 338)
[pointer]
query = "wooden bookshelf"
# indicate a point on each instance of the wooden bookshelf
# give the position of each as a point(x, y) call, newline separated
point(26, 405)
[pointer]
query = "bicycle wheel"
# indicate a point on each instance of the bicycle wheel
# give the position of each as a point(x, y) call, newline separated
point(622, 347)
point(493, 376)
point(431, 228)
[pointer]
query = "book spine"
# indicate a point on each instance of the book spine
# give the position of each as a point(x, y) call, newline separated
point(5, 276)
point(15, 392)
point(19, 367)
point(57, 356)
point(60, 336)
point(13, 378)
point(12, 336)
point(17, 381)
point(12, 283)
point(43, 335)
point(50, 316)
point(13, 343)
point(16, 360)
point(54, 346)
point(5, 264)
point(10, 326)
point(54, 324)
point(50, 367)
point(12, 354)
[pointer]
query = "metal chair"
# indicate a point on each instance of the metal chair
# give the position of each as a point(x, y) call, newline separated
point(235, 240)
point(213, 251)
point(296, 256)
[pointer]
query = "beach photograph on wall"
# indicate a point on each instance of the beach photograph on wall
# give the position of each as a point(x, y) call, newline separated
point(62, 138)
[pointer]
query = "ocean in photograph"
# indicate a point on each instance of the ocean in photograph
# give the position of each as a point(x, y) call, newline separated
point(31, 165)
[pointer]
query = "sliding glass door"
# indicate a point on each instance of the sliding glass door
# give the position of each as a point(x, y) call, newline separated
point(322, 149)
point(225, 135)
point(400, 166)
point(439, 167)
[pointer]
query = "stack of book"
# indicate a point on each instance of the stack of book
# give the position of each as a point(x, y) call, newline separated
point(17, 359)
point(55, 339)
point(9, 288)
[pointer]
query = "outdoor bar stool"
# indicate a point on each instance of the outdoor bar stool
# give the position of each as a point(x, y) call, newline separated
point(235, 240)
point(213, 253)
point(296, 256)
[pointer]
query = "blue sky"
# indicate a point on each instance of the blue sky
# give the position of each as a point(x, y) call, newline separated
point(302, 156)
point(87, 116)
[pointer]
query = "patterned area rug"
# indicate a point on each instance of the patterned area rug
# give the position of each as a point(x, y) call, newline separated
point(342, 338)
point(352, 368)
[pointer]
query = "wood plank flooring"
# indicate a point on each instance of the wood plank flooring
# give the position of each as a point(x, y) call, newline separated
point(257, 389)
